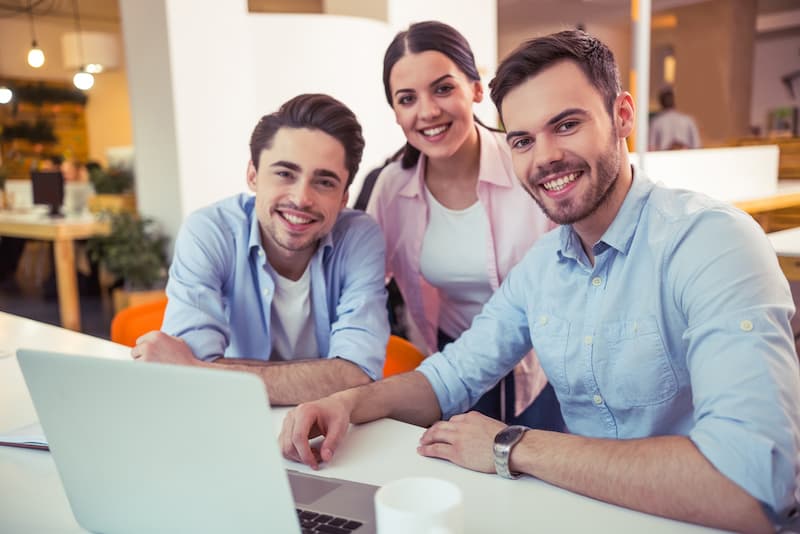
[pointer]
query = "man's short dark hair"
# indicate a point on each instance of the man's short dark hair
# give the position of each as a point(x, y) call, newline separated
point(315, 112)
point(666, 98)
point(531, 57)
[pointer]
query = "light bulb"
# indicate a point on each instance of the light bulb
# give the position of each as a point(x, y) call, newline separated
point(5, 95)
point(83, 80)
point(35, 56)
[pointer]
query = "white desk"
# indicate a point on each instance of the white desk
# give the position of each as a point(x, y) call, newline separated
point(787, 246)
point(32, 500)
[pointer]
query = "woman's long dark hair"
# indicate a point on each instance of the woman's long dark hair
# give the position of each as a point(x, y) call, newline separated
point(422, 37)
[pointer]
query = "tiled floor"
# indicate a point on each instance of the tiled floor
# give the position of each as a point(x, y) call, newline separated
point(44, 308)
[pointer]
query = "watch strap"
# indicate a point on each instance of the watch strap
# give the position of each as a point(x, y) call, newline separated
point(504, 443)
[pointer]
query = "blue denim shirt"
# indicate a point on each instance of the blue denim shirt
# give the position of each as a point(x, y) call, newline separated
point(221, 286)
point(681, 327)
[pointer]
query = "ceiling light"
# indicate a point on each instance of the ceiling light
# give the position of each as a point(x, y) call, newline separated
point(35, 54)
point(83, 80)
point(5, 94)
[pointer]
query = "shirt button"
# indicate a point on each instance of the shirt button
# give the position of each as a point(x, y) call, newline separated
point(746, 325)
point(260, 253)
point(597, 399)
point(542, 319)
point(596, 281)
point(266, 292)
point(587, 340)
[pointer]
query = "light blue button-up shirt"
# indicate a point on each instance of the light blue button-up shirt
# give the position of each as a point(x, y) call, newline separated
point(681, 327)
point(221, 286)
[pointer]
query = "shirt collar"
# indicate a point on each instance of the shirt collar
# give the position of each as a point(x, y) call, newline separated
point(493, 167)
point(619, 234)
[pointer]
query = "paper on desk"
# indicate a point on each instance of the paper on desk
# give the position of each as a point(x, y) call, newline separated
point(29, 436)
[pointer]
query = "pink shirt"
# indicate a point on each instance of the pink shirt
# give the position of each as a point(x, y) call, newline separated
point(398, 204)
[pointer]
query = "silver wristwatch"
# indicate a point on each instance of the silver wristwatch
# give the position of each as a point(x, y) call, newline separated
point(504, 441)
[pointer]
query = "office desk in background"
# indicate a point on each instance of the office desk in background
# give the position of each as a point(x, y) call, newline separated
point(787, 246)
point(32, 499)
point(63, 233)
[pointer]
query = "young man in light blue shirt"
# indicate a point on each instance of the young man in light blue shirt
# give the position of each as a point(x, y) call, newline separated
point(660, 316)
point(287, 284)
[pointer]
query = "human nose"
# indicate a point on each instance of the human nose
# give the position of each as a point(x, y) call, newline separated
point(429, 109)
point(301, 194)
point(546, 151)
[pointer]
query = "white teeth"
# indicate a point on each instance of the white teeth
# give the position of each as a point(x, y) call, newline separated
point(430, 132)
point(294, 219)
point(560, 183)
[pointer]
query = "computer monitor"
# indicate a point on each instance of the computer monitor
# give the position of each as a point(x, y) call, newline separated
point(48, 188)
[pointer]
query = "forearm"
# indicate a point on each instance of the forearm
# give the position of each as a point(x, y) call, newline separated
point(407, 397)
point(666, 476)
point(293, 382)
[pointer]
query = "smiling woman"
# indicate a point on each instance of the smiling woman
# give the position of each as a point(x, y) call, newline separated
point(466, 221)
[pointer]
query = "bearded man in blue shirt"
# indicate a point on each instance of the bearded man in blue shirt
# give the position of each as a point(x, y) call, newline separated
point(287, 284)
point(660, 316)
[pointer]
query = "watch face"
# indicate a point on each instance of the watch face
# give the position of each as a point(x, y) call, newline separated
point(510, 435)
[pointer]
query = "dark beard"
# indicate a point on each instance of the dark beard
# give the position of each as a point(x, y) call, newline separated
point(607, 172)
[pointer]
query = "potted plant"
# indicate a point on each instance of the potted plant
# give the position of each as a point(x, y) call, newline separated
point(134, 255)
point(113, 190)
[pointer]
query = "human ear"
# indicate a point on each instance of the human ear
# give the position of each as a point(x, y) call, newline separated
point(252, 174)
point(477, 91)
point(624, 114)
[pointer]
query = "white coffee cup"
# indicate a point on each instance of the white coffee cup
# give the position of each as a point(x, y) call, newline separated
point(421, 505)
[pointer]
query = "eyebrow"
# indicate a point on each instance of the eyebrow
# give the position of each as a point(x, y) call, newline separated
point(433, 83)
point(296, 168)
point(553, 120)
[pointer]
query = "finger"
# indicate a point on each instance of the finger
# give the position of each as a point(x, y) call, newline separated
point(333, 436)
point(149, 336)
point(444, 451)
point(300, 433)
point(439, 433)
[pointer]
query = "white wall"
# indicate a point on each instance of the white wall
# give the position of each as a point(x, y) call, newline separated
point(775, 56)
point(329, 61)
point(729, 174)
point(158, 191)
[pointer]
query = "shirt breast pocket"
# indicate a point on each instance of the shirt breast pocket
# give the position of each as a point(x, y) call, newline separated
point(549, 335)
point(632, 367)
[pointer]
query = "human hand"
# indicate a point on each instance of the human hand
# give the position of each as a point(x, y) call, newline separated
point(466, 440)
point(156, 346)
point(328, 417)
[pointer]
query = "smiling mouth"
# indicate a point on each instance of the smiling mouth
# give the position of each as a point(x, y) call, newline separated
point(433, 132)
point(561, 182)
point(296, 219)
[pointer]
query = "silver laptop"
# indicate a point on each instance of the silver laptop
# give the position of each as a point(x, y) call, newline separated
point(149, 448)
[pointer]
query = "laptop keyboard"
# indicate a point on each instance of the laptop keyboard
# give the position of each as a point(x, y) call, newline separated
point(314, 523)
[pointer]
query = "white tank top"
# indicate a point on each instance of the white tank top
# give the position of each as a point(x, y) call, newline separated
point(292, 325)
point(454, 259)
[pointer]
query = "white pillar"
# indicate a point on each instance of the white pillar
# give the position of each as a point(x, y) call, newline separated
point(640, 13)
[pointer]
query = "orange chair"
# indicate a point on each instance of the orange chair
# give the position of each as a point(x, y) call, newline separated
point(133, 321)
point(401, 356)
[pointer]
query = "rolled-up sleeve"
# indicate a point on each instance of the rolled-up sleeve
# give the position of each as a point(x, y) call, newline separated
point(195, 311)
point(361, 329)
point(497, 339)
point(741, 357)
